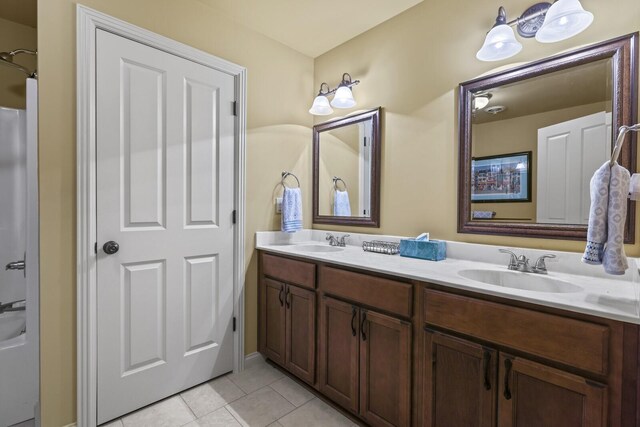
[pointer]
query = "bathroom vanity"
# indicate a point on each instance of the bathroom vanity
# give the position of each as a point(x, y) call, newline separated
point(373, 335)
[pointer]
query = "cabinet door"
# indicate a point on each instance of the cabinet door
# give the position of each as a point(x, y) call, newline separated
point(301, 332)
point(533, 395)
point(272, 320)
point(385, 370)
point(460, 382)
point(338, 358)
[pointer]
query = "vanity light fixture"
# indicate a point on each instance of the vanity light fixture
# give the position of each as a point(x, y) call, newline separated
point(481, 100)
point(342, 97)
point(547, 22)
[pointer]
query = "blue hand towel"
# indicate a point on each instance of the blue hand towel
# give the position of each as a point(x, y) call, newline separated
point(341, 206)
point(291, 210)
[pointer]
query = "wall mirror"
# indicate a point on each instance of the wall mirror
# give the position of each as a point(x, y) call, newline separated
point(531, 138)
point(346, 170)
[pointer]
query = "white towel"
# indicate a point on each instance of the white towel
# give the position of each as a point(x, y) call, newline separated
point(615, 260)
point(291, 210)
point(609, 187)
point(341, 206)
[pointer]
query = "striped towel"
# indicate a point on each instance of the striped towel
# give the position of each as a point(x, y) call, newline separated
point(291, 210)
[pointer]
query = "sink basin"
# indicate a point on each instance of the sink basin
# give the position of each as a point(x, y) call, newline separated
point(518, 280)
point(319, 248)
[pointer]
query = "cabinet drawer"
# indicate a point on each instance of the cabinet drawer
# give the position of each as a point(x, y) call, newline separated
point(576, 343)
point(289, 270)
point(384, 294)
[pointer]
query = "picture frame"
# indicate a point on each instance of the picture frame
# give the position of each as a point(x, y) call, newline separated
point(502, 178)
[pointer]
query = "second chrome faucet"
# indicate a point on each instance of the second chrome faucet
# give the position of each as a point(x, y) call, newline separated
point(521, 263)
point(337, 241)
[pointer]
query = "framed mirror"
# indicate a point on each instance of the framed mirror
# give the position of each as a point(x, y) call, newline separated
point(531, 138)
point(346, 170)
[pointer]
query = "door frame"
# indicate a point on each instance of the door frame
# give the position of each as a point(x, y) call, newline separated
point(88, 21)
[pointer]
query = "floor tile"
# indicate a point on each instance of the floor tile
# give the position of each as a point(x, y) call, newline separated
point(28, 423)
point(260, 408)
point(115, 423)
point(172, 412)
point(292, 391)
point(255, 377)
point(212, 395)
point(275, 424)
point(219, 418)
point(315, 413)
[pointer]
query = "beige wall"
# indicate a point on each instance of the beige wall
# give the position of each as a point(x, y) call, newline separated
point(13, 82)
point(280, 83)
point(339, 156)
point(518, 135)
point(412, 65)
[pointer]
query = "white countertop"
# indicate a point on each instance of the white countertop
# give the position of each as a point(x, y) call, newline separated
point(612, 297)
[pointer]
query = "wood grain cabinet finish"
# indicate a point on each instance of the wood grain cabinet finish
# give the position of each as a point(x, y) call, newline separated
point(365, 362)
point(287, 327)
point(459, 382)
point(339, 346)
point(273, 320)
point(289, 270)
point(533, 395)
point(385, 370)
point(300, 307)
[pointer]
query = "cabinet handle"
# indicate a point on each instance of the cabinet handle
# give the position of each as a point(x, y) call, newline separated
point(486, 360)
point(280, 295)
point(507, 373)
point(287, 300)
point(353, 320)
point(364, 319)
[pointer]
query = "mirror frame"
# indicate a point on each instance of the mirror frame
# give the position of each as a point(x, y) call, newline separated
point(623, 52)
point(374, 219)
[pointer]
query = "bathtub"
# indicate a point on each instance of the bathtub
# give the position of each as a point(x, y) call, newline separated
point(12, 325)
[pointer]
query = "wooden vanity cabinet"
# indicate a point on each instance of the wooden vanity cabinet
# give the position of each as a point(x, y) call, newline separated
point(365, 362)
point(398, 353)
point(532, 394)
point(460, 382)
point(463, 381)
point(288, 319)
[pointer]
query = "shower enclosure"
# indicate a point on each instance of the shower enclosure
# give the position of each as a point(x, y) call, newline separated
point(19, 264)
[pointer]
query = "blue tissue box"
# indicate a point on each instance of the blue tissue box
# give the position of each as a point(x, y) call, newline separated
point(432, 250)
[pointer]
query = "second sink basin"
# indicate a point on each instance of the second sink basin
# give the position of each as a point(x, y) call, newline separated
point(319, 248)
point(518, 280)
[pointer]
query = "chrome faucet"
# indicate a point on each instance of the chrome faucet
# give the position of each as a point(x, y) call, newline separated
point(10, 306)
point(337, 241)
point(521, 263)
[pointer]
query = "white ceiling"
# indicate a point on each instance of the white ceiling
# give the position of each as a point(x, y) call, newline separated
point(312, 27)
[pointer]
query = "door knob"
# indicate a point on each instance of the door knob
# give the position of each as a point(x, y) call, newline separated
point(110, 247)
point(16, 265)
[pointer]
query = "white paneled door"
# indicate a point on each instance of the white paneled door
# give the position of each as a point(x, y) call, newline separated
point(165, 196)
point(568, 155)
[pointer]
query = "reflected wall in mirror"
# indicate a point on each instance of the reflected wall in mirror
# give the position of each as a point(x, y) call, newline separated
point(346, 170)
point(565, 112)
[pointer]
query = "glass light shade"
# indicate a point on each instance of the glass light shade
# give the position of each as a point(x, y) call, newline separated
point(499, 44)
point(321, 106)
point(343, 98)
point(564, 19)
point(479, 102)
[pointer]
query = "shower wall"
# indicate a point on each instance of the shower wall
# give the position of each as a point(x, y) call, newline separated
point(12, 201)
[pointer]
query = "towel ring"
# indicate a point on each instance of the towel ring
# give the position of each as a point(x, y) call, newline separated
point(335, 183)
point(620, 141)
point(285, 175)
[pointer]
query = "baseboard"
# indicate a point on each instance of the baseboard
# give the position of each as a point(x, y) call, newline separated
point(252, 358)
point(71, 425)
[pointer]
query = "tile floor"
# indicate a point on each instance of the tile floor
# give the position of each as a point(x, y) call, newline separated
point(259, 396)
